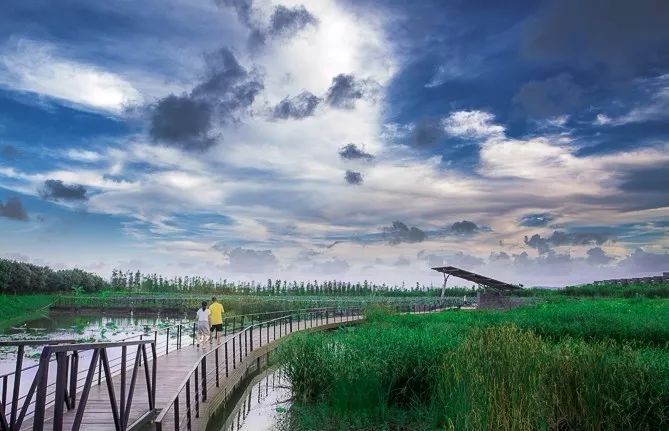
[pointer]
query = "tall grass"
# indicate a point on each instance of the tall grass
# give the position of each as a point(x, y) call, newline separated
point(486, 371)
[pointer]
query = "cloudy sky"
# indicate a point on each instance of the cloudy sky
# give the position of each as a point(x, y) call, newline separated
point(345, 139)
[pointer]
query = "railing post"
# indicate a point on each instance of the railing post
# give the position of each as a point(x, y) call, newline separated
point(260, 333)
point(74, 370)
point(240, 346)
point(234, 353)
point(99, 372)
point(193, 335)
point(41, 378)
point(59, 396)
point(124, 351)
point(17, 384)
point(225, 327)
point(226, 359)
point(197, 395)
point(188, 409)
point(167, 343)
point(177, 419)
point(327, 316)
point(4, 393)
point(251, 339)
point(154, 371)
point(216, 362)
point(203, 368)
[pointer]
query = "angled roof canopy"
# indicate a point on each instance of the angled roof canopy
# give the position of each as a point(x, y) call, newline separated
point(476, 278)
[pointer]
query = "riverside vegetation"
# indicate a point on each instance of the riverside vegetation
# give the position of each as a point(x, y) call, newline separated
point(563, 365)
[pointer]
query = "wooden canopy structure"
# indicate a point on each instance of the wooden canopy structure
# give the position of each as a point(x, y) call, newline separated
point(473, 277)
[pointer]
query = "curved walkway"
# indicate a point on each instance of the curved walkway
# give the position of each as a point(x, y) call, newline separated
point(175, 368)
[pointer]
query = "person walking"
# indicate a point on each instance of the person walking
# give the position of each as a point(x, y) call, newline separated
point(216, 310)
point(203, 317)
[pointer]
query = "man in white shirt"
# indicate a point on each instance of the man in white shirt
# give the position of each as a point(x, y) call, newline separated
point(203, 316)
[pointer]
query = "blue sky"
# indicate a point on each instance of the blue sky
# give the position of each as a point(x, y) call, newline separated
point(243, 139)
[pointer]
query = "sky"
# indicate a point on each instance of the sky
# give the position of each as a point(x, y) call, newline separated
point(337, 139)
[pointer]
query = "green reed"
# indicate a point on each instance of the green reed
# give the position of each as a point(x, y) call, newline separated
point(562, 366)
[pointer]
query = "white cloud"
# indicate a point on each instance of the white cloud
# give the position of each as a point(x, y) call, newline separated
point(472, 124)
point(36, 67)
point(602, 120)
point(83, 155)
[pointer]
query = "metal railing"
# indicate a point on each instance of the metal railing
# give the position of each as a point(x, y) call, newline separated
point(11, 423)
point(63, 391)
point(218, 363)
point(64, 399)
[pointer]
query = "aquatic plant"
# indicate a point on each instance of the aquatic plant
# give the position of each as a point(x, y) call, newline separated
point(591, 365)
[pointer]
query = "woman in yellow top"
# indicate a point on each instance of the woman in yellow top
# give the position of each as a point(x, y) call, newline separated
point(216, 317)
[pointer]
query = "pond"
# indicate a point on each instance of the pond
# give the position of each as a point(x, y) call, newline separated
point(83, 327)
point(263, 406)
point(89, 327)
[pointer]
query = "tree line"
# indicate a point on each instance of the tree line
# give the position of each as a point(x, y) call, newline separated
point(22, 277)
point(136, 281)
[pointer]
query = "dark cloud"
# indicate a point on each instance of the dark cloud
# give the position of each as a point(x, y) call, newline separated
point(597, 256)
point(301, 106)
point(251, 261)
point(499, 257)
point(648, 179)
point(427, 132)
point(13, 209)
point(641, 261)
point(353, 177)
point(536, 220)
point(286, 22)
point(8, 152)
point(346, 90)
point(57, 190)
point(618, 36)
point(464, 227)
point(560, 238)
point(399, 232)
point(551, 97)
point(182, 122)
point(332, 266)
point(352, 152)
point(186, 121)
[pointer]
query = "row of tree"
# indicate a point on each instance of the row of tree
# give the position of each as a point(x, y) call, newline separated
point(22, 277)
point(136, 281)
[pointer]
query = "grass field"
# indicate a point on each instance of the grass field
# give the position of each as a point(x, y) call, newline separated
point(15, 309)
point(570, 364)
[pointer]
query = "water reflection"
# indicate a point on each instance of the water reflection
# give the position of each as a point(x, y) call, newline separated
point(263, 406)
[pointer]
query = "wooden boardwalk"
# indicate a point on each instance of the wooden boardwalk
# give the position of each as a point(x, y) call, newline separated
point(172, 370)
